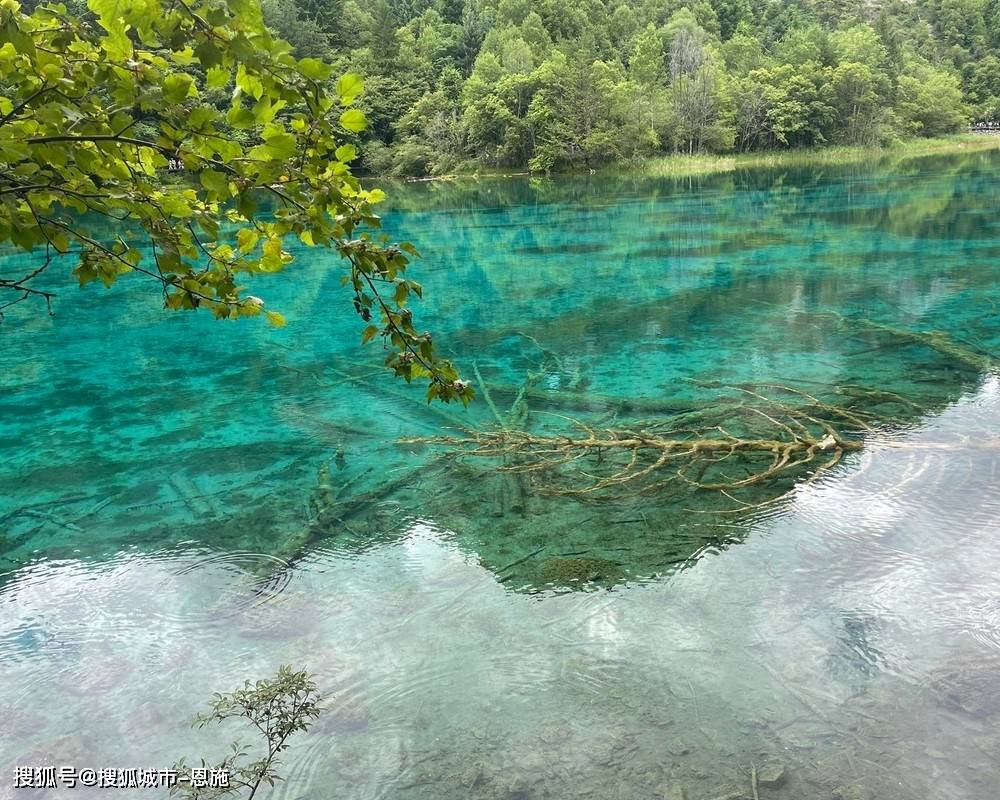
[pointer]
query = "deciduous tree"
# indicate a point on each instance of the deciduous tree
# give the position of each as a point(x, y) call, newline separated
point(97, 109)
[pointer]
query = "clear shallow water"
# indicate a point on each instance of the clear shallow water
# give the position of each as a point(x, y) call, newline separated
point(159, 473)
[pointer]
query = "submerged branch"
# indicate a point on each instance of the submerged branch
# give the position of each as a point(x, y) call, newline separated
point(762, 444)
point(941, 341)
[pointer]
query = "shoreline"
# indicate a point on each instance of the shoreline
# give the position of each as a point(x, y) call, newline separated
point(683, 165)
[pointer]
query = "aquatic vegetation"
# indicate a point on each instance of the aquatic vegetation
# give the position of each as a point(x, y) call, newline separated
point(276, 709)
point(566, 571)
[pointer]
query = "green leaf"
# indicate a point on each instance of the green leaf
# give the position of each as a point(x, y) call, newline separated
point(61, 241)
point(176, 206)
point(272, 247)
point(240, 117)
point(264, 110)
point(217, 77)
point(184, 57)
point(251, 84)
point(177, 87)
point(314, 69)
point(86, 272)
point(276, 319)
point(246, 240)
point(353, 120)
point(209, 55)
point(346, 152)
point(276, 147)
point(246, 204)
point(111, 13)
point(215, 182)
point(368, 334)
point(349, 87)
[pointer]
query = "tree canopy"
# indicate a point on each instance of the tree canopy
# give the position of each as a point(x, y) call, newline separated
point(464, 84)
point(183, 142)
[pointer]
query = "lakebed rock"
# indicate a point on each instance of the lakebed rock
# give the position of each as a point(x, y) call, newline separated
point(851, 792)
point(771, 776)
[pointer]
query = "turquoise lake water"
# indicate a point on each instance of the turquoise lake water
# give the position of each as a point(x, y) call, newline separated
point(163, 476)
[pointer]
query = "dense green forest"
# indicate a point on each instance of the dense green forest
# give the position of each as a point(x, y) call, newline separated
point(555, 83)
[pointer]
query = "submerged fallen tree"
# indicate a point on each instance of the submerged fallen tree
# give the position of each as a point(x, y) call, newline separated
point(967, 354)
point(544, 499)
point(570, 488)
point(758, 442)
point(746, 446)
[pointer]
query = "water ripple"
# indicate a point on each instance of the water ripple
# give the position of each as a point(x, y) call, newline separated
point(230, 584)
point(985, 622)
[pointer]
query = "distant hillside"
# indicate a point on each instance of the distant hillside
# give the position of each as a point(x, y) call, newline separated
point(553, 83)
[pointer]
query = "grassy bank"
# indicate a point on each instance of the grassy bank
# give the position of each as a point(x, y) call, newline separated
point(683, 165)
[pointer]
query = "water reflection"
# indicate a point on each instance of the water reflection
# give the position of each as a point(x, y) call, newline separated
point(156, 505)
point(848, 643)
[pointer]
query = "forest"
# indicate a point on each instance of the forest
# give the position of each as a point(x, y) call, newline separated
point(479, 84)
